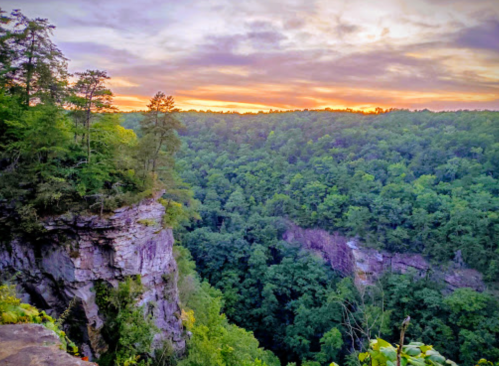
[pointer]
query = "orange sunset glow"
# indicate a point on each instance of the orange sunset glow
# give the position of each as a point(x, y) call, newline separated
point(255, 56)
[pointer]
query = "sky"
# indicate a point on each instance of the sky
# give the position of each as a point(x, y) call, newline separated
point(252, 55)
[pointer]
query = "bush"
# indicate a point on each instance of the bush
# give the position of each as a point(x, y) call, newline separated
point(12, 311)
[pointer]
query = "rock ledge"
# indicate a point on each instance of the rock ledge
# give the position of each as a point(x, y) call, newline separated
point(33, 344)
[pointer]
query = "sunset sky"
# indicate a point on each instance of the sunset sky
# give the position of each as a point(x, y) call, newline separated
point(256, 55)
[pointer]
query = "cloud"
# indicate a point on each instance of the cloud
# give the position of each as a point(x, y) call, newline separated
point(266, 39)
point(484, 36)
point(81, 50)
point(308, 54)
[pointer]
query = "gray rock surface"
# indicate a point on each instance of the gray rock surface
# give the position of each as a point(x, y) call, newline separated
point(81, 250)
point(350, 258)
point(33, 345)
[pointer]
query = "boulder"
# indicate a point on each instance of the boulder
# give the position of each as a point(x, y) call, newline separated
point(33, 345)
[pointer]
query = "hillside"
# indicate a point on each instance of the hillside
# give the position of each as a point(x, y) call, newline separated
point(404, 182)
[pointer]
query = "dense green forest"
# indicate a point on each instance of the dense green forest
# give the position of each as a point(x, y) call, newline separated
point(403, 181)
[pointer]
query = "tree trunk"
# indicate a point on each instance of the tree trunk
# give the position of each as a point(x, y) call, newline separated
point(89, 113)
point(88, 136)
point(29, 68)
point(156, 154)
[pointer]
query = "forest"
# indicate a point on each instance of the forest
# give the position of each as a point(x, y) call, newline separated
point(402, 181)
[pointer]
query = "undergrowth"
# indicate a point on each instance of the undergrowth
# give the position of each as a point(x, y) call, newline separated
point(12, 311)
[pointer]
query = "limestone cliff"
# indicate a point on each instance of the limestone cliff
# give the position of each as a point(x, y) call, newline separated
point(349, 257)
point(80, 250)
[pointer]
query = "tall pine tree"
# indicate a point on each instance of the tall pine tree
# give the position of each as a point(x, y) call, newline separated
point(159, 126)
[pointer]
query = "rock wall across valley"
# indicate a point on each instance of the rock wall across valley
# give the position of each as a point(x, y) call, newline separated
point(82, 250)
point(350, 258)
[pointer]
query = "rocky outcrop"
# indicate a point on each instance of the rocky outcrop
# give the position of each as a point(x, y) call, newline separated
point(81, 250)
point(33, 345)
point(350, 258)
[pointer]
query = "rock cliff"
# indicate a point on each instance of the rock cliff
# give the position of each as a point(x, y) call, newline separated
point(80, 250)
point(350, 258)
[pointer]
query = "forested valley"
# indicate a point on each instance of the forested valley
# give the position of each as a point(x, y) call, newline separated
point(401, 181)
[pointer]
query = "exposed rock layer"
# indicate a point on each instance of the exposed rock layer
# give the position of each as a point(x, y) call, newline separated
point(33, 345)
point(82, 250)
point(349, 257)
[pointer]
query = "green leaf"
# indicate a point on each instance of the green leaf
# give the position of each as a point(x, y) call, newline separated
point(389, 353)
point(383, 343)
point(435, 356)
point(412, 351)
point(417, 344)
point(416, 361)
point(363, 356)
point(9, 317)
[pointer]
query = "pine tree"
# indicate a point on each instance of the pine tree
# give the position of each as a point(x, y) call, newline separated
point(90, 95)
point(159, 126)
point(35, 67)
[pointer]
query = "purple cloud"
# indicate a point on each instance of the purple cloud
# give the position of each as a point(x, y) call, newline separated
point(485, 36)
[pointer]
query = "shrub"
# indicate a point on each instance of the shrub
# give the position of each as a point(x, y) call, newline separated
point(12, 311)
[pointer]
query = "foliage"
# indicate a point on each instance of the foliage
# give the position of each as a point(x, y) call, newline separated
point(128, 330)
point(415, 353)
point(147, 222)
point(484, 362)
point(214, 341)
point(463, 325)
point(331, 344)
point(60, 148)
point(159, 127)
point(402, 181)
point(89, 95)
point(32, 66)
point(12, 311)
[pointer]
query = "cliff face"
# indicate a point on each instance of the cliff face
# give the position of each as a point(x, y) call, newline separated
point(82, 250)
point(350, 258)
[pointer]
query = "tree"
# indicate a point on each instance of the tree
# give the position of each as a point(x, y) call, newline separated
point(331, 344)
point(90, 95)
point(6, 51)
point(160, 123)
point(35, 67)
